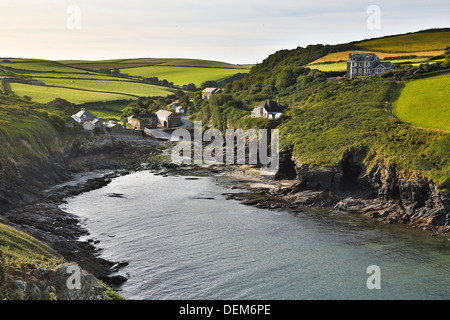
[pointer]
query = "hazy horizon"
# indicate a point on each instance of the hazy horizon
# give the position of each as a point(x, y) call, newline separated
point(235, 32)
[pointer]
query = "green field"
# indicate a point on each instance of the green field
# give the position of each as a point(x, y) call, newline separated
point(176, 62)
point(341, 66)
point(409, 42)
point(42, 66)
point(109, 110)
point(122, 87)
point(44, 94)
point(425, 103)
point(183, 75)
point(63, 77)
point(75, 85)
point(70, 76)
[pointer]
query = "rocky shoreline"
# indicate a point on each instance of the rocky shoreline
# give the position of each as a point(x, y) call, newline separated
point(30, 196)
point(381, 193)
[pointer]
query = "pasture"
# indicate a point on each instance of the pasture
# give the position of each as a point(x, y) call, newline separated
point(122, 87)
point(408, 43)
point(425, 103)
point(44, 94)
point(183, 75)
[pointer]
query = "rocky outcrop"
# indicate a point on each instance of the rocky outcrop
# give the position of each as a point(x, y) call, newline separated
point(382, 193)
point(67, 282)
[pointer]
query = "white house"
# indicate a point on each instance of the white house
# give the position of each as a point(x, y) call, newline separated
point(208, 92)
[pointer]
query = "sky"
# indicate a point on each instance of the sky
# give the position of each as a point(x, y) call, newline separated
point(234, 31)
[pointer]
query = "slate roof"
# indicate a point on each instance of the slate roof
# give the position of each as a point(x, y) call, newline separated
point(271, 106)
point(386, 65)
point(83, 114)
point(363, 57)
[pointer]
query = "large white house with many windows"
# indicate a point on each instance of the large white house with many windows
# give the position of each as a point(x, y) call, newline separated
point(366, 64)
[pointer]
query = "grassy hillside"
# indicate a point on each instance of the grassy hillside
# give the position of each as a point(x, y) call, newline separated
point(120, 63)
point(122, 87)
point(343, 55)
point(27, 132)
point(23, 251)
point(326, 120)
point(72, 84)
point(425, 103)
point(40, 66)
point(44, 94)
point(420, 41)
point(183, 75)
point(81, 82)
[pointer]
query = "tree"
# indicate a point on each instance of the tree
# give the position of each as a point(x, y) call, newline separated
point(447, 58)
point(61, 105)
point(190, 87)
point(210, 84)
point(184, 101)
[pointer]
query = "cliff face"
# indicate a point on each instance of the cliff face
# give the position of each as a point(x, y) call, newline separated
point(381, 193)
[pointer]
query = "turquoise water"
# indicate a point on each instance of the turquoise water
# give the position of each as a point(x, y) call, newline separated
point(184, 240)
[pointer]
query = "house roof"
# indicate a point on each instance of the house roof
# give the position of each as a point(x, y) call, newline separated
point(84, 114)
point(271, 106)
point(163, 113)
point(386, 65)
point(364, 57)
point(211, 90)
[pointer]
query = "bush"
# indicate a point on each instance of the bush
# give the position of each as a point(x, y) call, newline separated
point(57, 121)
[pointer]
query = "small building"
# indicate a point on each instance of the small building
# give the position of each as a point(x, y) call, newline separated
point(208, 92)
point(87, 120)
point(366, 64)
point(168, 119)
point(37, 83)
point(83, 115)
point(180, 109)
point(88, 125)
point(141, 121)
point(268, 109)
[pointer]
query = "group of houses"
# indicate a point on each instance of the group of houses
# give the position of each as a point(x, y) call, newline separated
point(357, 65)
point(89, 122)
point(164, 118)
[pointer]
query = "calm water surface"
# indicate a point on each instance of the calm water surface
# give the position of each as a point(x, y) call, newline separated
point(184, 240)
